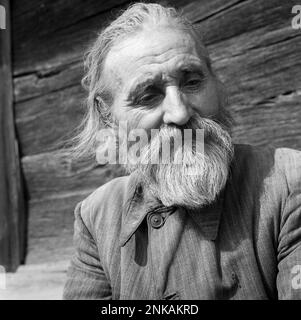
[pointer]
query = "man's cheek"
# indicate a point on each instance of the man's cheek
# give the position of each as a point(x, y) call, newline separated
point(150, 119)
point(206, 103)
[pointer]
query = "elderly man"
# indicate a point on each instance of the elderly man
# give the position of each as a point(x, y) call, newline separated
point(224, 223)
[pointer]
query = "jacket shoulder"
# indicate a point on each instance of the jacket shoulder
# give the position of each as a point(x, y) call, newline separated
point(103, 208)
point(281, 167)
point(285, 161)
point(289, 162)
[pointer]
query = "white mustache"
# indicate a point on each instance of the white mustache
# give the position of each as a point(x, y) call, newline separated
point(212, 132)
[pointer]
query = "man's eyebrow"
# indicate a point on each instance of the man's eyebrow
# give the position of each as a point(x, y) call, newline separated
point(139, 87)
point(191, 67)
point(141, 84)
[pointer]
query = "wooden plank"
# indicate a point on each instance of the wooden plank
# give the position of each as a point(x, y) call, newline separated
point(259, 65)
point(50, 228)
point(12, 209)
point(44, 122)
point(274, 122)
point(59, 45)
point(244, 17)
point(48, 16)
point(46, 81)
point(67, 44)
point(198, 11)
point(51, 175)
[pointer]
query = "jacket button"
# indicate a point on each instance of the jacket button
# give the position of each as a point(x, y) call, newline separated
point(156, 220)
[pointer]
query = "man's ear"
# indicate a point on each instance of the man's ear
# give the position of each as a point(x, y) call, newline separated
point(98, 102)
point(103, 111)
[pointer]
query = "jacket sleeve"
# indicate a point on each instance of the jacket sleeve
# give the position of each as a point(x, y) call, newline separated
point(86, 278)
point(289, 241)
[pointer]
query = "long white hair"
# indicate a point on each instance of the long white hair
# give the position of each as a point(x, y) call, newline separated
point(99, 98)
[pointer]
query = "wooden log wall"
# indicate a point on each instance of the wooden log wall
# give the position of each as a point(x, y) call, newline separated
point(254, 50)
point(12, 205)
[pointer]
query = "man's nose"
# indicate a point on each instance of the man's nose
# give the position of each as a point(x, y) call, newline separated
point(176, 110)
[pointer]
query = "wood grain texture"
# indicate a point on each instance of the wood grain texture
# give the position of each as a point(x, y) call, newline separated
point(50, 175)
point(44, 122)
point(254, 51)
point(54, 24)
point(51, 228)
point(12, 209)
point(46, 81)
point(254, 122)
point(53, 46)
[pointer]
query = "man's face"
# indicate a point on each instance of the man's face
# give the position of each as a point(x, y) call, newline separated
point(159, 81)
point(157, 77)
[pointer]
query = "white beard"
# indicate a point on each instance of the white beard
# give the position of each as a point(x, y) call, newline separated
point(199, 177)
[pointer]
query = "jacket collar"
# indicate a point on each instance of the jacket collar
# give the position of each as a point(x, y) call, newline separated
point(139, 203)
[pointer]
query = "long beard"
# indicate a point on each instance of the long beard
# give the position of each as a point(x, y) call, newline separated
point(192, 179)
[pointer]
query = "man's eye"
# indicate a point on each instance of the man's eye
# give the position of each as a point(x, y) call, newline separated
point(193, 83)
point(149, 99)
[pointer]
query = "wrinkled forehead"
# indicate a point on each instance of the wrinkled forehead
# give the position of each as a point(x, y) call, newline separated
point(149, 52)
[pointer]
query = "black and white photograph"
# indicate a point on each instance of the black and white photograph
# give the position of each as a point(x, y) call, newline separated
point(150, 151)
